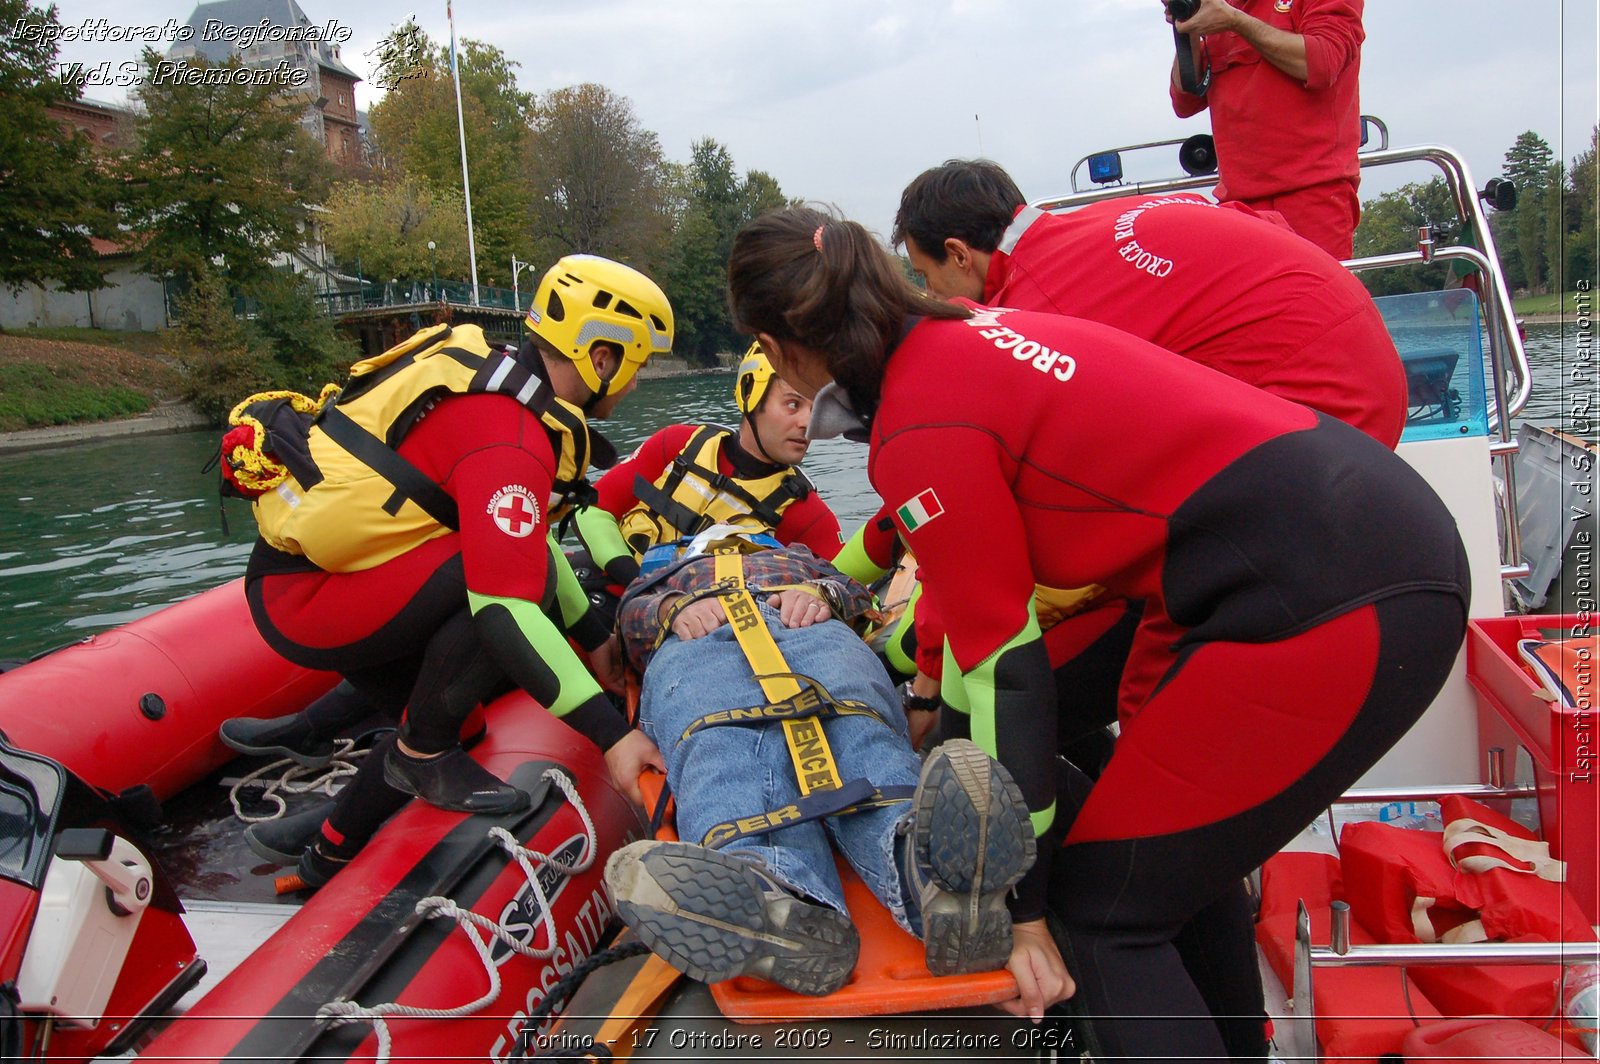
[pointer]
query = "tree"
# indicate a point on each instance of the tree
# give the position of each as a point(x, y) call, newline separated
point(1558, 221)
point(415, 129)
point(53, 195)
point(1389, 224)
point(1584, 183)
point(597, 179)
point(1527, 163)
point(1528, 159)
point(287, 343)
point(222, 174)
point(385, 228)
point(714, 203)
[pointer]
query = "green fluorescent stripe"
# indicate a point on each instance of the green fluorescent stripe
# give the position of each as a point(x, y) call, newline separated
point(953, 689)
point(853, 561)
point(1043, 819)
point(574, 683)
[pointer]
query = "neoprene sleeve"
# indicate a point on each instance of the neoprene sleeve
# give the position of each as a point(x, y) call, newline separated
point(598, 531)
point(578, 616)
point(855, 560)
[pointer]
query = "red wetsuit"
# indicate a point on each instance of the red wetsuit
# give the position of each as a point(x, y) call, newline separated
point(808, 521)
point(1305, 596)
point(1284, 145)
point(494, 458)
point(1217, 285)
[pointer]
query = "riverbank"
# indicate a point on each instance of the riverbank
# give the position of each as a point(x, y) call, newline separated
point(172, 416)
point(177, 416)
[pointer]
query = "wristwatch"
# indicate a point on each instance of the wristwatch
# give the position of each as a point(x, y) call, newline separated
point(915, 703)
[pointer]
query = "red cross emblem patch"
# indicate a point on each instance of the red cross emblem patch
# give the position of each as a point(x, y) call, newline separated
point(514, 511)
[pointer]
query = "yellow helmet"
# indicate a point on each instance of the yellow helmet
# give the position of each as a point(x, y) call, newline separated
point(755, 377)
point(584, 299)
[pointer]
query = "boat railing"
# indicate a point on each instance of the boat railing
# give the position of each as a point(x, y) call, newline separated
point(1511, 378)
point(1340, 953)
point(1495, 789)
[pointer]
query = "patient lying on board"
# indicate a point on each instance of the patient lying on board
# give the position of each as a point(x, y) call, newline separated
point(784, 739)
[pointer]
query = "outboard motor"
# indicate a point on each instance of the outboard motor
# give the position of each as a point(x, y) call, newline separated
point(95, 895)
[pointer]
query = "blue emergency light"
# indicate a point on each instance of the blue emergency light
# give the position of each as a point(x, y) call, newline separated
point(1105, 167)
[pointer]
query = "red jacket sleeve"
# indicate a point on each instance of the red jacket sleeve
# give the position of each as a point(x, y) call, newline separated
point(1185, 104)
point(810, 523)
point(653, 456)
point(1333, 33)
point(501, 480)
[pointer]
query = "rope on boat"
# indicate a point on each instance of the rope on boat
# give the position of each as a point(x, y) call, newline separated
point(295, 778)
point(562, 988)
point(343, 1011)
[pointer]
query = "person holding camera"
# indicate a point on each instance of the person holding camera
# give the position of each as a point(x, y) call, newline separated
point(1280, 79)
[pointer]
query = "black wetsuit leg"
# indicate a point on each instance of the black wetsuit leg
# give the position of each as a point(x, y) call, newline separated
point(1126, 891)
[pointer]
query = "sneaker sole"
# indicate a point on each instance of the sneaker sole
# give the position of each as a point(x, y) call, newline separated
point(972, 830)
point(707, 914)
point(312, 761)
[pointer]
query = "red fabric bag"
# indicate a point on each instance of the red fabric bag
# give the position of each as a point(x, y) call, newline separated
point(1486, 878)
point(1508, 876)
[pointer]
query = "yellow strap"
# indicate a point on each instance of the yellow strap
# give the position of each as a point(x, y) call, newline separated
point(809, 752)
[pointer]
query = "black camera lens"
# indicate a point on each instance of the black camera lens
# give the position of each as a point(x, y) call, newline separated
point(1182, 10)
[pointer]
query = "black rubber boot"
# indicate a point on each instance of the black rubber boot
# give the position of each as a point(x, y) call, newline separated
point(289, 737)
point(323, 859)
point(452, 781)
point(284, 840)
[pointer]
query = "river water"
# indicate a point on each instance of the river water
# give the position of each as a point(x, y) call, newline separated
point(99, 534)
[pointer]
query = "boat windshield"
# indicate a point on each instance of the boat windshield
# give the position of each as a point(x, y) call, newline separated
point(31, 788)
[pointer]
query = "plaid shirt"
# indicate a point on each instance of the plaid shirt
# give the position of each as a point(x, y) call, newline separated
point(639, 618)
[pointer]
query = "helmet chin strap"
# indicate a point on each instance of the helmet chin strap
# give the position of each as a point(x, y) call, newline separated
point(755, 431)
point(605, 383)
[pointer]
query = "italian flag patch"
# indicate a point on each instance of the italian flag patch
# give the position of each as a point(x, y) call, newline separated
point(922, 508)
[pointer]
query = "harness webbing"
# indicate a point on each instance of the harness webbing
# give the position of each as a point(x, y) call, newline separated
point(409, 481)
point(809, 752)
point(813, 700)
point(802, 705)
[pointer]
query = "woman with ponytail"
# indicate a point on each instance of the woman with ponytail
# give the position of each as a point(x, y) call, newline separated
point(1305, 597)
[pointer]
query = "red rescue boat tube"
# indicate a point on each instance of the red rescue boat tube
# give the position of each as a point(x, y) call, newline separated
point(361, 940)
point(141, 703)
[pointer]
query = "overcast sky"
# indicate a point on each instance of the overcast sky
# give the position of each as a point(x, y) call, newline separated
point(843, 101)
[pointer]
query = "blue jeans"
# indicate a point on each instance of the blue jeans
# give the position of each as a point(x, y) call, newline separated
point(729, 771)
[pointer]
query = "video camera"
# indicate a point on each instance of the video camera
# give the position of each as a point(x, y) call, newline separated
point(1189, 80)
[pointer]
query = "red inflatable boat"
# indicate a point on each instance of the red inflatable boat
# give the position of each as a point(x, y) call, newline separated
point(95, 957)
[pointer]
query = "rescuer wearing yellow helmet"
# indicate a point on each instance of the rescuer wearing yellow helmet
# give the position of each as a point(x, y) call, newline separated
point(416, 563)
point(686, 478)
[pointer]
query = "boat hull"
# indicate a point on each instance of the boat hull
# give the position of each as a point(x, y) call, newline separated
point(360, 938)
point(141, 704)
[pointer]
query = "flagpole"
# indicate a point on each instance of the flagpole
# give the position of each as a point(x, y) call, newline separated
point(461, 129)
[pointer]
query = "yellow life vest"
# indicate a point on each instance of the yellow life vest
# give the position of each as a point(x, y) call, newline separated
point(1055, 604)
point(692, 494)
point(351, 502)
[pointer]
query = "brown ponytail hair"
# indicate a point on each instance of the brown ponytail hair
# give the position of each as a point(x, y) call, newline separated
point(805, 275)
